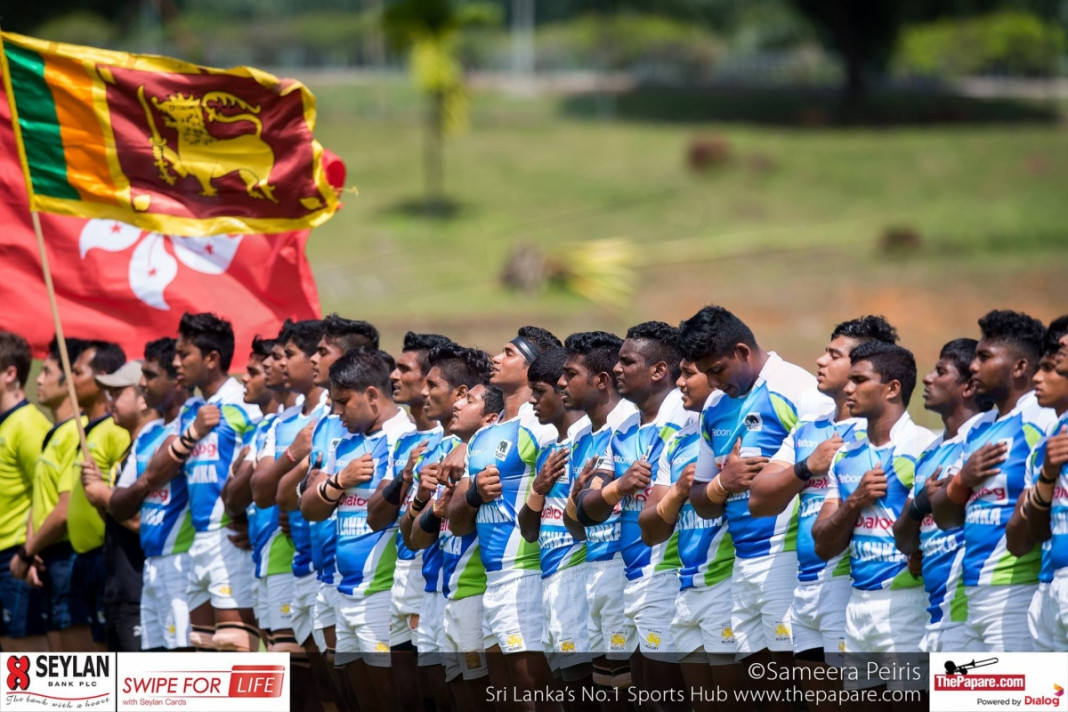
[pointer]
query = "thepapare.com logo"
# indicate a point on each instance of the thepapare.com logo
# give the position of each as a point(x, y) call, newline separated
point(58, 681)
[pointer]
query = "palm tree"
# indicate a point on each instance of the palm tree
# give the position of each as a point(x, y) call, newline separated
point(430, 31)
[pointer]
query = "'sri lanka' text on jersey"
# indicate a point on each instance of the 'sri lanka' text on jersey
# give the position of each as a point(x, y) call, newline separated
point(875, 561)
point(632, 442)
point(512, 447)
point(365, 559)
point(166, 522)
point(782, 396)
point(799, 446)
point(602, 540)
point(987, 560)
point(209, 464)
point(462, 572)
point(705, 549)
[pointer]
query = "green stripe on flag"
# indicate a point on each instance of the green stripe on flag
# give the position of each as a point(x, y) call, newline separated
point(39, 124)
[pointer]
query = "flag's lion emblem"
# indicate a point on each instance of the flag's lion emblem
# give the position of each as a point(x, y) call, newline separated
point(199, 153)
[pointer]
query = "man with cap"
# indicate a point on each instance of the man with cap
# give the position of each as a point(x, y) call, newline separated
point(122, 545)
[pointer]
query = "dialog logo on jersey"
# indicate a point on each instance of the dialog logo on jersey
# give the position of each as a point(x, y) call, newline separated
point(58, 681)
point(248, 682)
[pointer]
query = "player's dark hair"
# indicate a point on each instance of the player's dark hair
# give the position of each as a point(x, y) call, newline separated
point(358, 370)
point(1024, 333)
point(541, 339)
point(547, 367)
point(15, 351)
point(891, 362)
point(1056, 331)
point(422, 345)
point(209, 333)
point(599, 350)
point(660, 342)
point(865, 328)
point(492, 400)
point(304, 334)
point(162, 352)
point(261, 348)
point(348, 334)
point(461, 366)
point(391, 363)
point(961, 353)
point(714, 332)
point(108, 357)
point(75, 347)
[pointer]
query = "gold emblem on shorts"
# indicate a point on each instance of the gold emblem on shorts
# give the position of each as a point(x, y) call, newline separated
point(225, 590)
point(567, 646)
point(381, 647)
point(618, 641)
point(473, 660)
point(727, 634)
point(782, 631)
point(653, 640)
point(514, 640)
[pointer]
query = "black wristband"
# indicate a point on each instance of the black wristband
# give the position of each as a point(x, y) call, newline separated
point(473, 497)
point(801, 470)
point(1046, 480)
point(914, 512)
point(418, 505)
point(430, 522)
point(326, 497)
point(392, 491)
point(24, 555)
point(922, 503)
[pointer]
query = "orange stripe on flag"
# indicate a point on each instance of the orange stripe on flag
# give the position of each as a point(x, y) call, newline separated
point(84, 145)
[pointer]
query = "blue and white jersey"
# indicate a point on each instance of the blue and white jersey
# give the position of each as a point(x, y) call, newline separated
point(602, 540)
point(263, 521)
point(943, 549)
point(166, 522)
point(1055, 549)
point(559, 550)
point(432, 555)
point(365, 558)
point(282, 434)
point(209, 464)
point(782, 396)
point(874, 559)
point(327, 434)
point(462, 573)
point(987, 561)
point(705, 549)
point(798, 446)
point(512, 446)
point(632, 442)
point(404, 447)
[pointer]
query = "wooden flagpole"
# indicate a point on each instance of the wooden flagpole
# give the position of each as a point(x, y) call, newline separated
point(64, 357)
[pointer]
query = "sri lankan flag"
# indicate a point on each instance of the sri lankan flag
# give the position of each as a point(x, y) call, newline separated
point(163, 144)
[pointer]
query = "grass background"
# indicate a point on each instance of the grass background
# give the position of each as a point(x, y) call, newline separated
point(784, 232)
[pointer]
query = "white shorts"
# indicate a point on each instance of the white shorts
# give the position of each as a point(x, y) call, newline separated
point(324, 615)
point(512, 614)
point(259, 602)
point(305, 589)
point(406, 596)
point(363, 629)
point(604, 596)
point(463, 643)
point(702, 623)
point(648, 607)
point(947, 639)
point(1048, 616)
point(566, 614)
point(762, 590)
point(430, 634)
point(817, 614)
point(278, 608)
point(221, 573)
point(164, 610)
point(886, 621)
point(997, 618)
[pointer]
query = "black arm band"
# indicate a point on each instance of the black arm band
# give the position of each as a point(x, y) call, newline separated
point(430, 522)
point(1046, 480)
point(392, 491)
point(801, 470)
point(474, 499)
point(922, 503)
point(584, 518)
point(23, 555)
point(914, 512)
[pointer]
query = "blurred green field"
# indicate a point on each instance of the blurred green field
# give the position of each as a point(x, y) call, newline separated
point(784, 232)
